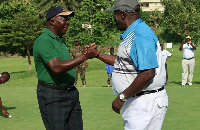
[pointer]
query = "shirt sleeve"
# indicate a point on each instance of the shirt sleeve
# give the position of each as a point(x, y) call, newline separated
point(143, 53)
point(169, 54)
point(47, 50)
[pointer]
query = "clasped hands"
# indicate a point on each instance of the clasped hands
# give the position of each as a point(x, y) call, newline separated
point(90, 51)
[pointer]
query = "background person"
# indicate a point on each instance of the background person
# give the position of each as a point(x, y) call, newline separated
point(166, 55)
point(109, 68)
point(76, 51)
point(138, 76)
point(57, 96)
point(4, 77)
point(188, 61)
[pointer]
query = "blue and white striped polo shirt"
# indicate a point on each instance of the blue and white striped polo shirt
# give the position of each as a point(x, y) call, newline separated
point(139, 50)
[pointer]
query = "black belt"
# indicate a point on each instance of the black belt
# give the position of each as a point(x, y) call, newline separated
point(53, 86)
point(188, 58)
point(148, 92)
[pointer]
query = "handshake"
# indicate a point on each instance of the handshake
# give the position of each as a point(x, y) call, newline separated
point(90, 51)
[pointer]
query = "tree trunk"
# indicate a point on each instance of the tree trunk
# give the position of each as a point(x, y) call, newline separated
point(29, 58)
point(155, 24)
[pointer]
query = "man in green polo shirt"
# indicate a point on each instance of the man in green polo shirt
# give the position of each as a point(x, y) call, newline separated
point(58, 98)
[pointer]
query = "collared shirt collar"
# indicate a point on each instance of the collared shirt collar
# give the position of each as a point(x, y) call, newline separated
point(133, 25)
point(50, 33)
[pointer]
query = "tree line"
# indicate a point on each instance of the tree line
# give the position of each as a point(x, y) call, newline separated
point(22, 21)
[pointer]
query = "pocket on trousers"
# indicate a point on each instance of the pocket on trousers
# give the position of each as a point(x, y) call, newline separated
point(162, 101)
point(40, 94)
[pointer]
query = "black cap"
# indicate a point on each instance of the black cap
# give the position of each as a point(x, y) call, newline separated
point(57, 10)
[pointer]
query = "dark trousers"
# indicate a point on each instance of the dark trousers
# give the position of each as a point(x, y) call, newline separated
point(60, 110)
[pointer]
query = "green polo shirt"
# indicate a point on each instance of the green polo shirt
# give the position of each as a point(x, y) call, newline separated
point(47, 47)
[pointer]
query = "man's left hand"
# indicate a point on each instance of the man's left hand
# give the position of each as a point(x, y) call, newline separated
point(117, 105)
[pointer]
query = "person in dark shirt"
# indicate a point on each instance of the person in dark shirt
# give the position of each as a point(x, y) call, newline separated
point(4, 77)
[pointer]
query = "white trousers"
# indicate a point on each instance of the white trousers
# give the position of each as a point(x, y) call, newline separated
point(187, 66)
point(145, 112)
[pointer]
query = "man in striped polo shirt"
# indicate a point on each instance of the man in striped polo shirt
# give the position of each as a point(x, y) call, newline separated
point(139, 75)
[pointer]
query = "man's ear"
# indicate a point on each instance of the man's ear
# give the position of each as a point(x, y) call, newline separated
point(51, 21)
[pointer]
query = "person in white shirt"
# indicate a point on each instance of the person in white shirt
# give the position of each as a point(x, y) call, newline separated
point(138, 76)
point(166, 55)
point(188, 61)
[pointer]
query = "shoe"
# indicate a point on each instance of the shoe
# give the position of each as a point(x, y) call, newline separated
point(190, 84)
point(108, 85)
point(183, 85)
point(84, 86)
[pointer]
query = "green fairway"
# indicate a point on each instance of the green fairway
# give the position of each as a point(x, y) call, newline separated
point(19, 97)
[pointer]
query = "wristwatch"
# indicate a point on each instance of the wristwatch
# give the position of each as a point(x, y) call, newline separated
point(122, 97)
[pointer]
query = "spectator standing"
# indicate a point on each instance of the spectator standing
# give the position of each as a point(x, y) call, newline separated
point(188, 61)
point(109, 68)
point(76, 51)
point(166, 55)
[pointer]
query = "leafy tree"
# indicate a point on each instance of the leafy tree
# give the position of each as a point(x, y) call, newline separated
point(44, 5)
point(146, 17)
point(19, 27)
point(155, 16)
point(182, 18)
point(20, 33)
point(102, 23)
point(10, 7)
